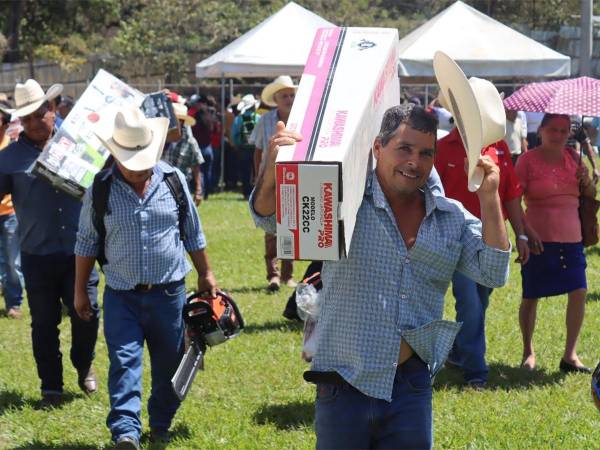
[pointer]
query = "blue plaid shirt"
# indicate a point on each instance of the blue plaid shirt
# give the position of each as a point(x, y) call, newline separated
point(382, 292)
point(142, 235)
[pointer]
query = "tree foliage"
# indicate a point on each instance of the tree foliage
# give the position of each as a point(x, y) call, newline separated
point(163, 38)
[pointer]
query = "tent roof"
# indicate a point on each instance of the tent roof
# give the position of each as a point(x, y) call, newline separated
point(481, 45)
point(278, 45)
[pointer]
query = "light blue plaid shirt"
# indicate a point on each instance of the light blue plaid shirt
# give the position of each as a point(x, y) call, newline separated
point(383, 293)
point(142, 235)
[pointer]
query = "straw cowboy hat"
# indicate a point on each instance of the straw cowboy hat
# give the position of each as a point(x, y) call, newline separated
point(476, 107)
point(29, 96)
point(279, 83)
point(181, 112)
point(134, 140)
point(248, 101)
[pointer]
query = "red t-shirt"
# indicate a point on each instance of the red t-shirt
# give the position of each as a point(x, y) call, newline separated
point(450, 164)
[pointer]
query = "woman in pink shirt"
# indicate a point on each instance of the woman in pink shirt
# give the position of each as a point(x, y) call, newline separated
point(550, 176)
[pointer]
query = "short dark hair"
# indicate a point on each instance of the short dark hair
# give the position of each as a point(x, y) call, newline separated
point(549, 116)
point(413, 115)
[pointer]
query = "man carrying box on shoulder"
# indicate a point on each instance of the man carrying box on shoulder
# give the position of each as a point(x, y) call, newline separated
point(382, 336)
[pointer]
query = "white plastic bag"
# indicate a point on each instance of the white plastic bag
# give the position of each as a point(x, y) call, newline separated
point(309, 308)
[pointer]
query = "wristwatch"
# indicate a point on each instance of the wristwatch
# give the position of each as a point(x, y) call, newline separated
point(523, 237)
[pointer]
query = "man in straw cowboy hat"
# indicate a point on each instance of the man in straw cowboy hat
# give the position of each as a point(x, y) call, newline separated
point(48, 221)
point(146, 232)
point(382, 336)
point(185, 154)
point(484, 126)
point(279, 94)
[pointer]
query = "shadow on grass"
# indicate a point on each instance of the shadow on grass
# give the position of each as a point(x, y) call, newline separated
point(286, 417)
point(180, 430)
point(593, 296)
point(247, 290)
point(39, 445)
point(288, 325)
point(502, 377)
point(15, 400)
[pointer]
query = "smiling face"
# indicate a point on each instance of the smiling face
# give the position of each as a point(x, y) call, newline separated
point(405, 161)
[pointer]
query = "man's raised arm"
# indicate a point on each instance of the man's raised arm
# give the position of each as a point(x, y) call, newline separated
point(264, 194)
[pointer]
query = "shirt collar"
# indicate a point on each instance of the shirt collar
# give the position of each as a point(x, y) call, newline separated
point(373, 189)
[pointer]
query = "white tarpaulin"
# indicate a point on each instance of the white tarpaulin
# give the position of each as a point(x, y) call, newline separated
point(277, 46)
point(482, 47)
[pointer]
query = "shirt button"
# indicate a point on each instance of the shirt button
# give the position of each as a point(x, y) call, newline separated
point(564, 266)
point(59, 209)
point(403, 296)
point(56, 190)
point(406, 261)
point(63, 227)
point(395, 364)
point(145, 248)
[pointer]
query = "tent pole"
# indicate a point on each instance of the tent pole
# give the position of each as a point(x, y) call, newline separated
point(222, 177)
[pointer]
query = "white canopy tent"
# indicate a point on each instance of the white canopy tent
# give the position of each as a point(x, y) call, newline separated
point(279, 45)
point(482, 46)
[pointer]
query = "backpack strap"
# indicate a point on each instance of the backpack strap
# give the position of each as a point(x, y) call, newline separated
point(178, 192)
point(100, 193)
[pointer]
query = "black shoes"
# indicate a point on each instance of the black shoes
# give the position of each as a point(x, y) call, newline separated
point(127, 443)
point(51, 400)
point(565, 367)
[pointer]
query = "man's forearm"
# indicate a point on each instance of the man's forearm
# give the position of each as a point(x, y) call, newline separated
point(589, 152)
point(515, 215)
point(494, 231)
point(264, 195)
point(83, 268)
point(200, 261)
point(197, 174)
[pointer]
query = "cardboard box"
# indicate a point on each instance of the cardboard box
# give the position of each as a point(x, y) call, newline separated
point(349, 81)
point(74, 155)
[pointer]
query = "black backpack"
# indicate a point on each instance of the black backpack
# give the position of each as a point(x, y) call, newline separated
point(101, 192)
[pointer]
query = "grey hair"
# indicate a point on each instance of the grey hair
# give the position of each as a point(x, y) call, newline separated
point(413, 115)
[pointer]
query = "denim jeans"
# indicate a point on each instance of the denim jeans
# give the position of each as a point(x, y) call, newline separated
point(468, 352)
point(348, 419)
point(48, 280)
point(130, 318)
point(207, 170)
point(10, 262)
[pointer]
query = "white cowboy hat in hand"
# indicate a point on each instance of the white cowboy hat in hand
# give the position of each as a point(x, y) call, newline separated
point(248, 101)
point(281, 82)
point(29, 96)
point(181, 112)
point(476, 107)
point(134, 140)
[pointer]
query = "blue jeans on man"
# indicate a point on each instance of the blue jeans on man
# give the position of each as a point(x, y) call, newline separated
point(48, 280)
point(468, 352)
point(10, 262)
point(130, 318)
point(345, 418)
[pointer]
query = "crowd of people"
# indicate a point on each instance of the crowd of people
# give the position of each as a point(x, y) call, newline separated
point(382, 337)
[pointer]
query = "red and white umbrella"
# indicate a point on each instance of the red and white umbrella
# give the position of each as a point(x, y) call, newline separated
point(575, 96)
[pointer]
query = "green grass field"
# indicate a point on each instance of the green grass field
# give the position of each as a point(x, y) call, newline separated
point(252, 395)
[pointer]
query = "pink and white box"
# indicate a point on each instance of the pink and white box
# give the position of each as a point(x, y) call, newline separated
point(349, 81)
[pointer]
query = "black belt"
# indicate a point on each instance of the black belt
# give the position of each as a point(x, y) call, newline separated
point(332, 377)
point(148, 287)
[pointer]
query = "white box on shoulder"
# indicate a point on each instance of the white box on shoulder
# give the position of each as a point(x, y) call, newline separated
point(349, 81)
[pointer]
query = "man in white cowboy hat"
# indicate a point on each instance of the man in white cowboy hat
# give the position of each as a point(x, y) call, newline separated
point(185, 154)
point(483, 123)
point(243, 126)
point(382, 336)
point(48, 221)
point(279, 94)
point(145, 239)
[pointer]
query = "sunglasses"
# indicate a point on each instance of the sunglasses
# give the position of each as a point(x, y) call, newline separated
point(596, 386)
